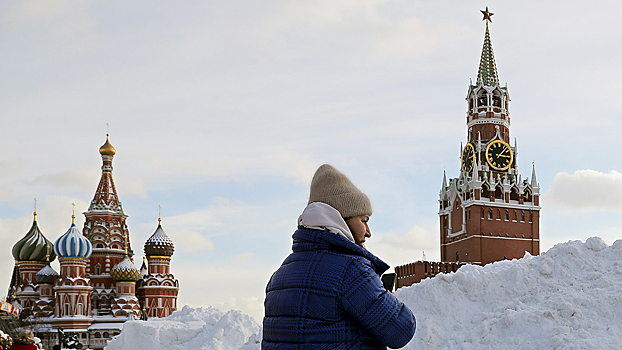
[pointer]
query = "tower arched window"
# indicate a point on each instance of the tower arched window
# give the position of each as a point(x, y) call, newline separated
point(482, 98)
point(522, 217)
point(514, 194)
point(527, 196)
point(485, 191)
point(490, 214)
point(496, 99)
point(507, 216)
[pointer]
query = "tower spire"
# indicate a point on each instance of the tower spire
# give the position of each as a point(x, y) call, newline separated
point(534, 182)
point(487, 74)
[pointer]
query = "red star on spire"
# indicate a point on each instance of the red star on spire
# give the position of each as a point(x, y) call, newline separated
point(487, 14)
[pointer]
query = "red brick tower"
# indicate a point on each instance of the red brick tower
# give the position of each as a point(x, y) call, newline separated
point(489, 213)
point(105, 227)
point(158, 288)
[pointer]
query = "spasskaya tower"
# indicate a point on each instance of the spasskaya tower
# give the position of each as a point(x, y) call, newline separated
point(489, 212)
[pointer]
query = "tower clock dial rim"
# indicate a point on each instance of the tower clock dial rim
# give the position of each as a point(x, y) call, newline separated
point(499, 160)
point(468, 158)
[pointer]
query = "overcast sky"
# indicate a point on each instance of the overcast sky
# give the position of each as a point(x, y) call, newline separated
point(221, 111)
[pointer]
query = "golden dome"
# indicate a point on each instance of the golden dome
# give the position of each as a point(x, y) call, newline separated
point(107, 149)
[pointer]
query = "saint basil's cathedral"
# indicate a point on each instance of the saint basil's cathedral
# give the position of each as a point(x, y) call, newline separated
point(98, 287)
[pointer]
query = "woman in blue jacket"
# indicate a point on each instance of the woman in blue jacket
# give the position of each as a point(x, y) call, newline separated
point(327, 294)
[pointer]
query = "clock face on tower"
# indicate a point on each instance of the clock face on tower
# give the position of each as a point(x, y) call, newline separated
point(499, 155)
point(468, 158)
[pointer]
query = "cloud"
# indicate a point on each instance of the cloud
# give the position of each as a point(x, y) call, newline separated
point(401, 248)
point(83, 178)
point(241, 258)
point(187, 240)
point(585, 190)
point(299, 167)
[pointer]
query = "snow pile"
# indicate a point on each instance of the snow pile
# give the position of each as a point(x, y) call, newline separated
point(567, 298)
point(201, 328)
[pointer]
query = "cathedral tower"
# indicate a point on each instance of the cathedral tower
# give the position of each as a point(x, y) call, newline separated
point(73, 288)
point(30, 254)
point(158, 288)
point(106, 229)
point(489, 213)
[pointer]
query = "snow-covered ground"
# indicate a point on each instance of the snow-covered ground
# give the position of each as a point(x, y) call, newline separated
point(567, 298)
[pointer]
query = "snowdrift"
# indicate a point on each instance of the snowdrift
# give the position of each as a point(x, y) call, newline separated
point(200, 328)
point(567, 298)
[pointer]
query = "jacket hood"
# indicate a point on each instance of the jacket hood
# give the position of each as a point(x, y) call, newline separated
point(310, 240)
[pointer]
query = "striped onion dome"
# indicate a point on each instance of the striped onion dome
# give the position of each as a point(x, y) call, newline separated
point(159, 244)
point(125, 271)
point(73, 244)
point(34, 246)
point(46, 275)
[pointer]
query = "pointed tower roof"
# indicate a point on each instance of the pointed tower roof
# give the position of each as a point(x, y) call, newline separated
point(444, 180)
point(106, 194)
point(487, 74)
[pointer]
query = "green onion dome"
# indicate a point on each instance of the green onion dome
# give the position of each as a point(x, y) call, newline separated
point(34, 246)
point(46, 275)
point(159, 244)
point(125, 271)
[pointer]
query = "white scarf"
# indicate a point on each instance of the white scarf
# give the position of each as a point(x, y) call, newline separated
point(321, 216)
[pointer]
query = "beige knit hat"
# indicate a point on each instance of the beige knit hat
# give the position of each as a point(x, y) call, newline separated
point(332, 187)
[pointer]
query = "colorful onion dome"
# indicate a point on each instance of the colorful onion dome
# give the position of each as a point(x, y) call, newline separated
point(159, 243)
point(107, 149)
point(73, 244)
point(46, 275)
point(34, 246)
point(125, 271)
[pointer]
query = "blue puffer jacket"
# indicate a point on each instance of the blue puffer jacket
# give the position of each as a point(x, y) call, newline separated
point(327, 294)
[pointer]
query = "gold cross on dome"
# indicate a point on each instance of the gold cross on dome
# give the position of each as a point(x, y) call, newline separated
point(487, 15)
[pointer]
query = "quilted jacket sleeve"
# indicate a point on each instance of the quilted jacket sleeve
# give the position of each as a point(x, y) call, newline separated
point(375, 309)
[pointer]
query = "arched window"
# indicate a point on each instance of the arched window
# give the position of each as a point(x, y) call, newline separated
point(106, 335)
point(98, 269)
point(514, 194)
point(482, 98)
point(527, 196)
point(490, 214)
point(507, 216)
point(496, 99)
point(98, 335)
point(522, 217)
point(154, 312)
point(485, 191)
point(457, 256)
